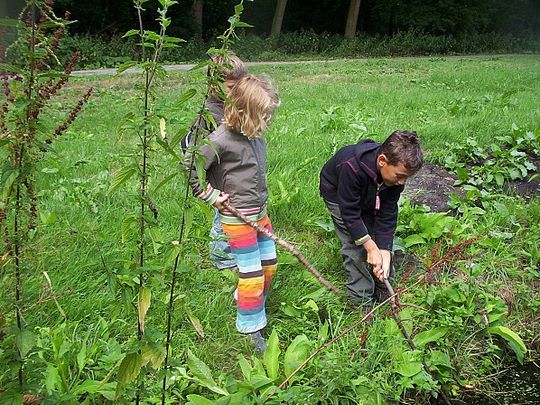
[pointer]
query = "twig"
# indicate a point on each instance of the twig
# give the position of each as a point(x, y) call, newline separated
point(345, 332)
point(408, 337)
point(291, 249)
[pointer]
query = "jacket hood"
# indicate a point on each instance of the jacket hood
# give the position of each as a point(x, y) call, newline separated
point(366, 156)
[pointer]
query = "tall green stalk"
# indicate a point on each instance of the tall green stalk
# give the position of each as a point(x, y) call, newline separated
point(212, 79)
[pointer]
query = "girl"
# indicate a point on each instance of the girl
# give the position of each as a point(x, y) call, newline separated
point(235, 165)
point(231, 68)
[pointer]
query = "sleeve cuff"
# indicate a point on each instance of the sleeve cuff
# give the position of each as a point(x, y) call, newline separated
point(362, 240)
point(212, 195)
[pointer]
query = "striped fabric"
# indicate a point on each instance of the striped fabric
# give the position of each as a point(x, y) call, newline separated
point(255, 256)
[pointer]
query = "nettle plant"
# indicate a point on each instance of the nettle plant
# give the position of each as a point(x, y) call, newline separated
point(140, 229)
point(26, 132)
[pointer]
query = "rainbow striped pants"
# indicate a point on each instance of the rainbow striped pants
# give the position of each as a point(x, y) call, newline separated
point(256, 258)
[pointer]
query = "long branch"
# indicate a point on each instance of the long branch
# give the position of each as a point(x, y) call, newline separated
point(290, 248)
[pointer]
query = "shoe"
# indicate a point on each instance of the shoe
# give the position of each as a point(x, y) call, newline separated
point(258, 342)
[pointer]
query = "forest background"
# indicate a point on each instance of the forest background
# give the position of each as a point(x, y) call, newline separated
point(301, 29)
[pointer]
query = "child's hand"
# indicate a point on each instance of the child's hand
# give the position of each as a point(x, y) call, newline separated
point(374, 258)
point(386, 263)
point(220, 200)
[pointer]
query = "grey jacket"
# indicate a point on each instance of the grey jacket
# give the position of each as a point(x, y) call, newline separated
point(235, 165)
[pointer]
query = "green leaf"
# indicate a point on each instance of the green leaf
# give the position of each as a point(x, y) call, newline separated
point(513, 340)
point(245, 367)
point(194, 399)
point(52, 378)
point(9, 22)
point(428, 336)
point(166, 180)
point(129, 369)
point(409, 369)
point(122, 176)
point(130, 33)
point(96, 387)
point(125, 66)
point(153, 354)
point(414, 239)
point(296, 353)
point(145, 296)
point(271, 356)
point(24, 340)
point(10, 68)
point(188, 94)
point(8, 179)
point(203, 374)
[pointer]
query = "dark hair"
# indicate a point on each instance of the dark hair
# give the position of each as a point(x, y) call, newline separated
point(403, 147)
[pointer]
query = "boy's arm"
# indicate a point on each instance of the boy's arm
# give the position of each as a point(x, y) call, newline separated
point(348, 193)
point(386, 219)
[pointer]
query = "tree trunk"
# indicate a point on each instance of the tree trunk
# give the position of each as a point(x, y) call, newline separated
point(197, 14)
point(352, 19)
point(278, 17)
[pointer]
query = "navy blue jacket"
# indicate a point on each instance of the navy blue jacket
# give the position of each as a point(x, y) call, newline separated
point(351, 179)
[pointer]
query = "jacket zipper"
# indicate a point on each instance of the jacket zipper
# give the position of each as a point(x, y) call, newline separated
point(377, 198)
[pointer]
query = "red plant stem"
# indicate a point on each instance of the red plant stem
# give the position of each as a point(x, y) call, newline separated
point(291, 249)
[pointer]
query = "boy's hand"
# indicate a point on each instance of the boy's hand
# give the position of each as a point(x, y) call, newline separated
point(386, 263)
point(220, 200)
point(374, 258)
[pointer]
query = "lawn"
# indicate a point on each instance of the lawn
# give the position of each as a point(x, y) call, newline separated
point(86, 240)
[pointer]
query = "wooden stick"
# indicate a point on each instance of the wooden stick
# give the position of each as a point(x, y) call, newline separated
point(408, 337)
point(287, 246)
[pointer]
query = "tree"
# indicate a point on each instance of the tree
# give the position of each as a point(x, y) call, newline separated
point(197, 13)
point(277, 21)
point(352, 18)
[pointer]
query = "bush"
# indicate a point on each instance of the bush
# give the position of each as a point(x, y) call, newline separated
point(97, 52)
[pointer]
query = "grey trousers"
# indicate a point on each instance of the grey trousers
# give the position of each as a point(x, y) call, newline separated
point(361, 282)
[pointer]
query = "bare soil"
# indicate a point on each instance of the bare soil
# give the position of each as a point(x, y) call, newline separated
point(432, 186)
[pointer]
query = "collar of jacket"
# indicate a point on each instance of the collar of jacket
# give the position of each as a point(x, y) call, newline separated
point(366, 156)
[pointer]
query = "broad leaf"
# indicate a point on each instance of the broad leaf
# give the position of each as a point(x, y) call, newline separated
point(409, 369)
point(271, 356)
point(428, 336)
point(129, 368)
point(414, 239)
point(25, 340)
point(296, 353)
point(203, 374)
point(194, 399)
point(513, 340)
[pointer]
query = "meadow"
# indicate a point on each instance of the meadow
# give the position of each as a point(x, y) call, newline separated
point(471, 316)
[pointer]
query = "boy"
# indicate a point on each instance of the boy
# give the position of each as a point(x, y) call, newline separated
point(361, 185)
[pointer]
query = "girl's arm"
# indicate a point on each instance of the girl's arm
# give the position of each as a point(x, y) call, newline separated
point(197, 160)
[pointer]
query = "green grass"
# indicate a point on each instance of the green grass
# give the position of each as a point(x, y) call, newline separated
point(324, 107)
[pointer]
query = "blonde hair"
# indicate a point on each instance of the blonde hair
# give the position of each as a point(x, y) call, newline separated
point(231, 66)
point(250, 106)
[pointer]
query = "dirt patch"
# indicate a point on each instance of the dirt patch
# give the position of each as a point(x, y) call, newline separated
point(525, 188)
point(432, 186)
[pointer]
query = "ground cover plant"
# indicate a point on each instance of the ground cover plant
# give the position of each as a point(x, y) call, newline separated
point(468, 289)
